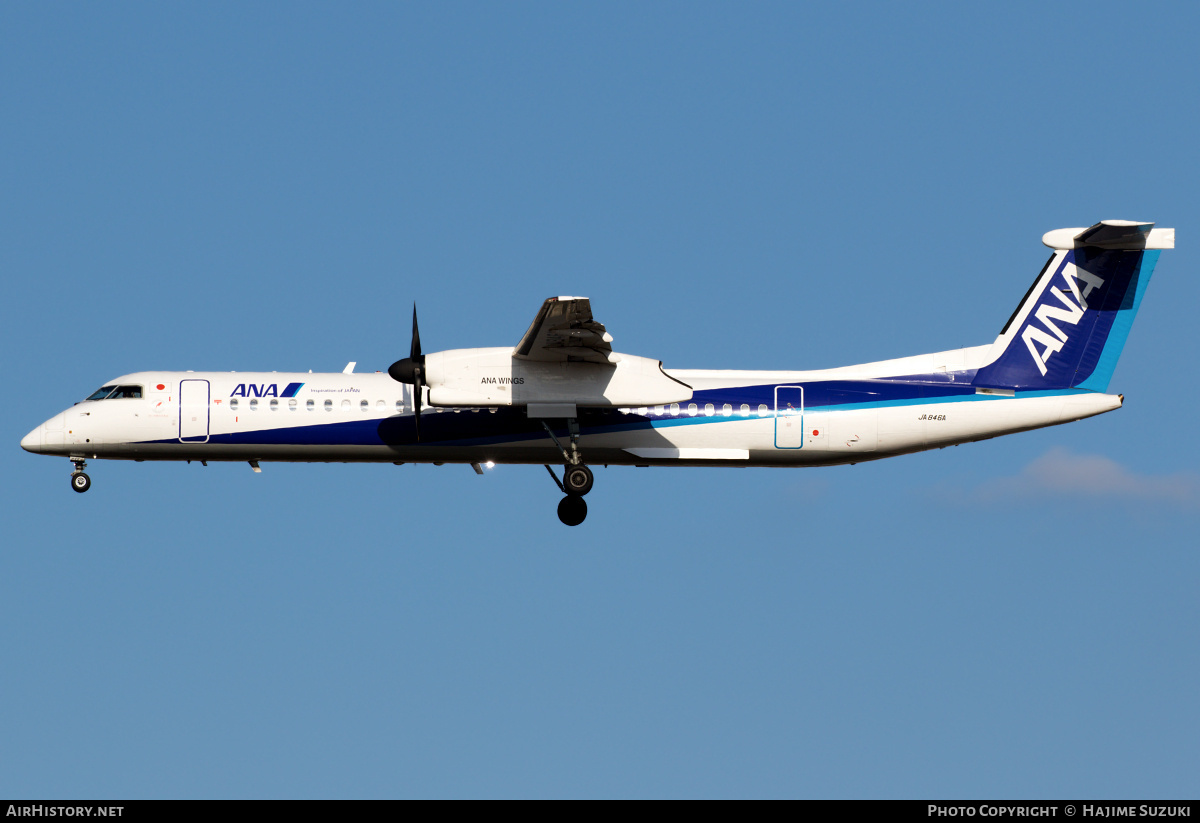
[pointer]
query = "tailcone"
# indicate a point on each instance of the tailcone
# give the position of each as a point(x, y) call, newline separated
point(1088, 404)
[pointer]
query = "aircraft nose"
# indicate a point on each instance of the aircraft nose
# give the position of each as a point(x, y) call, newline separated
point(32, 442)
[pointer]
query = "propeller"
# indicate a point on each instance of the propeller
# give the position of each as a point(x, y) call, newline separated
point(411, 370)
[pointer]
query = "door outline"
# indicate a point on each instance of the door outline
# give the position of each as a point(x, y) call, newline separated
point(780, 413)
point(184, 392)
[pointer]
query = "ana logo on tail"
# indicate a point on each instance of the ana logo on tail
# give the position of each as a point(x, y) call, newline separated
point(1070, 312)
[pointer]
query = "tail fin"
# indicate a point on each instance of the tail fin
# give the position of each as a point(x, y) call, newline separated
point(1069, 330)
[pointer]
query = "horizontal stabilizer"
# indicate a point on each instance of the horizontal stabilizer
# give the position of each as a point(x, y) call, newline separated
point(1112, 234)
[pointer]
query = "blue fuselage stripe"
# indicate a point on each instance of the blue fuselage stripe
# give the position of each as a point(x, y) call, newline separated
point(507, 425)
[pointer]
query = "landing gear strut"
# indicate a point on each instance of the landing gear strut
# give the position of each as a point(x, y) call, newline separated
point(577, 478)
point(80, 482)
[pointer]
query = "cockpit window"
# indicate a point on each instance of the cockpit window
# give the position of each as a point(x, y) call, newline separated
point(111, 392)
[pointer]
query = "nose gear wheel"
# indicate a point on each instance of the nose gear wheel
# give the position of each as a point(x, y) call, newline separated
point(80, 482)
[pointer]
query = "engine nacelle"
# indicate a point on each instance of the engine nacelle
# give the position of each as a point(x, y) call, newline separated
point(493, 377)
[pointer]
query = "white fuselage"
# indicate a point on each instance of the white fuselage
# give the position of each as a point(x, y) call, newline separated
point(734, 418)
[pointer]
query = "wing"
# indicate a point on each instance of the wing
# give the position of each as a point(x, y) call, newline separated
point(564, 331)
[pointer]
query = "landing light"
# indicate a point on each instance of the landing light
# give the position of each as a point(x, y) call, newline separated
point(489, 465)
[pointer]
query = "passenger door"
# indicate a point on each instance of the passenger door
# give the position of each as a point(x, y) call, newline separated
point(789, 417)
point(193, 411)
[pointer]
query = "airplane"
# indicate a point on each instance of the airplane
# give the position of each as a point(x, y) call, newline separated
point(562, 395)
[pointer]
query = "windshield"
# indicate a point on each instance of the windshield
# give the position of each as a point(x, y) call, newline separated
point(110, 392)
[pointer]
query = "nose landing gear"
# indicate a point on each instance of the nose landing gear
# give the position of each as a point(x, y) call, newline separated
point(80, 482)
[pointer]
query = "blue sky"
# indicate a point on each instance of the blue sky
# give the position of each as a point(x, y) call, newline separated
point(271, 186)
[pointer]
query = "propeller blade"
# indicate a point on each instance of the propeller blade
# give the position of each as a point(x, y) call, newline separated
point(417, 403)
point(415, 351)
point(411, 370)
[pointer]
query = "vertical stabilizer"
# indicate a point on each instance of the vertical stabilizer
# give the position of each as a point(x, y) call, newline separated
point(1069, 330)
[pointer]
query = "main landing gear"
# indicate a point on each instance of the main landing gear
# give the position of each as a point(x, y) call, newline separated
point(576, 482)
point(577, 478)
point(80, 482)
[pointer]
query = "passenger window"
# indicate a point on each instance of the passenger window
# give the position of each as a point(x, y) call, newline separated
point(328, 405)
point(233, 404)
point(762, 410)
point(708, 409)
point(365, 405)
point(310, 404)
point(345, 405)
point(399, 406)
point(274, 405)
point(292, 404)
point(726, 410)
point(380, 405)
point(691, 409)
point(658, 410)
point(674, 408)
point(745, 410)
point(253, 404)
